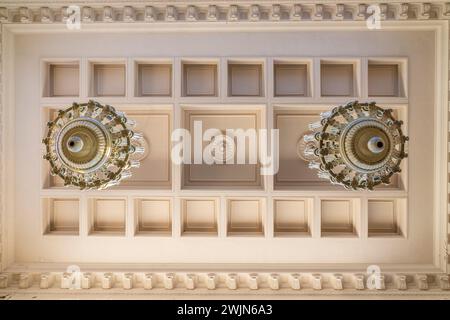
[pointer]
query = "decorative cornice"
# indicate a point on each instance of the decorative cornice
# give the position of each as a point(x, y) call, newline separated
point(201, 11)
point(283, 282)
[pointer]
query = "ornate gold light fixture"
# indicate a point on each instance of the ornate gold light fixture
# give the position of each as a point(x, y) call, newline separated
point(358, 146)
point(90, 146)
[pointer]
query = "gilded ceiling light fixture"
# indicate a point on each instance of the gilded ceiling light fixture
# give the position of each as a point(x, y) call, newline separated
point(91, 146)
point(358, 146)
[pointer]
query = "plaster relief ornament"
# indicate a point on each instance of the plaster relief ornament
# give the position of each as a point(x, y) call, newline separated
point(92, 146)
point(358, 146)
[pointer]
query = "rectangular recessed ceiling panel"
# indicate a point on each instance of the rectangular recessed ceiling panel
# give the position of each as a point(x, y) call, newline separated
point(108, 80)
point(153, 216)
point(291, 216)
point(108, 216)
point(155, 166)
point(223, 175)
point(293, 170)
point(337, 80)
point(199, 216)
point(245, 79)
point(383, 80)
point(199, 79)
point(154, 80)
point(63, 80)
point(290, 79)
point(61, 215)
point(338, 217)
point(245, 217)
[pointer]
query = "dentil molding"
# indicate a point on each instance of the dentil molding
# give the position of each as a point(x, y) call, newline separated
point(201, 11)
point(237, 282)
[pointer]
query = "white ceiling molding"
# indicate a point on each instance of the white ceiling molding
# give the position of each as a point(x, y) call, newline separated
point(283, 283)
point(201, 11)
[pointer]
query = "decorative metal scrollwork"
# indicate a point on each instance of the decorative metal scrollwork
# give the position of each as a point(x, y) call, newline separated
point(358, 146)
point(91, 146)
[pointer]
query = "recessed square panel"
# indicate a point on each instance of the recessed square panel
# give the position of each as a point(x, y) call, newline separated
point(290, 80)
point(337, 80)
point(154, 80)
point(245, 80)
point(245, 217)
point(154, 216)
point(108, 80)
point(107, 216)
point(291, 216)
point(199, 216)
point(61, 216)
point(62, 80)
point(383, 80)
point(385, 217)
point(223, 174)
point(337, 217)
point(199, 80)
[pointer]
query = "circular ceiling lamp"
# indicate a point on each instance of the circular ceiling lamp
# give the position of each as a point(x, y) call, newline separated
point(91, 146)
point(358, 146)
